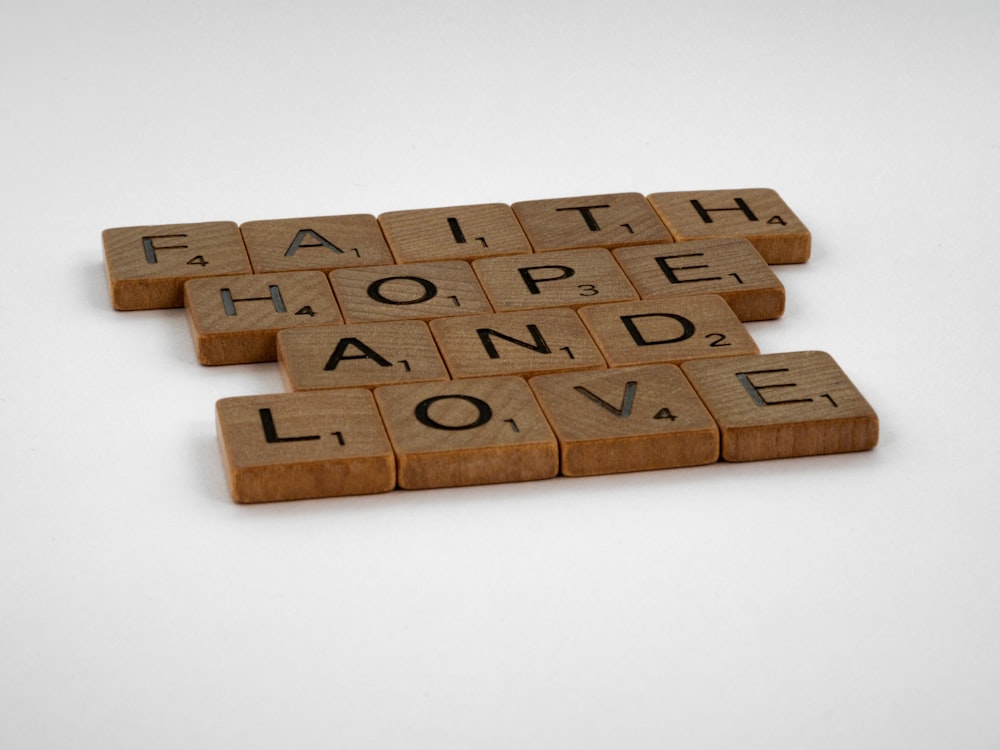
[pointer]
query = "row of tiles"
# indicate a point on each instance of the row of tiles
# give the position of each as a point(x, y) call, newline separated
point(356, 441)
point(148, 265)
point(234, 319)
point(526, 343)
point(297, 315)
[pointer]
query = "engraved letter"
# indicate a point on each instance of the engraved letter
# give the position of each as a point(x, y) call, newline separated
point(687, 328)
point(297, 242)
point(532, 283)
point(704, 213)
point(150, 249)
point(366, 353)
point(275, 299)
point(539, 346)
point(375, 290)
point(670, 271)
point(271, 433)
point(625, 410)
point(422, 412)
point(588, 217)
point(755, 390)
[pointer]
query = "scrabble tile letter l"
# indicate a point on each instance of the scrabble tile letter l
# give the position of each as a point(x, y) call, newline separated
point(293, 446)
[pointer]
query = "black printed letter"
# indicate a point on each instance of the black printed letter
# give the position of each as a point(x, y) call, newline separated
point(740, 206)
point(422, 412)
point(588, 217)
point(755, 390)
point(275, 299)
point(297, 242)
point(687, 328)
point(539, 346)
point(366, 353)
point(532, 283)
point(669, 271)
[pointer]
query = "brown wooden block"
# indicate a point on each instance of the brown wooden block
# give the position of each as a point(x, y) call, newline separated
point(293, 446)
point(731, 268)
point(783, 405)
point(524, 343)
point(667, 330)
point(147, 266)
point(235, 319)
point(420, 291)
point(453, 233)
point(757, 214)
point(319, 243)
point(566, 278)
point(611, 220)
point(467, 432)
point(626, 419)
point(358, 355)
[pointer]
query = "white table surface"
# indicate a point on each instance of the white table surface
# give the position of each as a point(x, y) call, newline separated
point(831, 602)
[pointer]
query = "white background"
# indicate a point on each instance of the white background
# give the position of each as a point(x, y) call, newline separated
point(830, 602)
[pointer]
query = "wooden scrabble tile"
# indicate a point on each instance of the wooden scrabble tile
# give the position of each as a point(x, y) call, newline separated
point(758, 214)
point(524, 343)
point(453, 233)
point(783, 405)
point(626, 419)
point(358, 355)
point(315, 243)
point(421, 291)
point(731, 268)
point(236, 319)
point(562, 278)
point(611, 220)
point(147, 266)
point(667, 330)
point(293, 446)
point(467, 432)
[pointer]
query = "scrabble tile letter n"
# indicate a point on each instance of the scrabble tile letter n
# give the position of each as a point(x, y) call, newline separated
point(783, 405)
